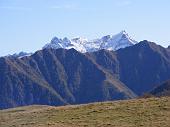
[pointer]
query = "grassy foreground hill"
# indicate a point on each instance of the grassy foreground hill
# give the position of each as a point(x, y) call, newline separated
point(150, 112)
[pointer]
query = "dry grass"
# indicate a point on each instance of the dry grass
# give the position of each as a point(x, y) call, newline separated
point(150, 112)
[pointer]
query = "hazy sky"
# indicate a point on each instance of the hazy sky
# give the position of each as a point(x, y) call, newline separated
point(29, 24)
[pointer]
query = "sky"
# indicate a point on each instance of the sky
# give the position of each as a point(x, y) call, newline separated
point(27, 25)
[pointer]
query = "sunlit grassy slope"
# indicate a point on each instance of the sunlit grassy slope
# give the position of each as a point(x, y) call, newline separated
point(150, 112)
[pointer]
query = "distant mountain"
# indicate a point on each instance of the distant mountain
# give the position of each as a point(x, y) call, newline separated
point(162, 90)
point(20, 54)
point(60, 76)
point(120, 40)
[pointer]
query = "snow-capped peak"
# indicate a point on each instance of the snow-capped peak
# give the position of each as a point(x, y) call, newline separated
point(120, 40)
point(56, 40)
point(108, 42)
point(124, 35)
point(123, 32)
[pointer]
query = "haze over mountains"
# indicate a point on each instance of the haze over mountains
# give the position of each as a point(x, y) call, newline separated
point(63, 75)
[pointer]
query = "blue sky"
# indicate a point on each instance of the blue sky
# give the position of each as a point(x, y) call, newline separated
point(27, 25)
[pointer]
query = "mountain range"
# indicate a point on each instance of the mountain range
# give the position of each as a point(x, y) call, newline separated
point(108, 42)
point(61, 76)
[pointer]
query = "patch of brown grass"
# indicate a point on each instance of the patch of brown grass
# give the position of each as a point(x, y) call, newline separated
point(150, 112)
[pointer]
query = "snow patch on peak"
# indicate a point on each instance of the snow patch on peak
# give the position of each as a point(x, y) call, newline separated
point(108, 42)
point(56, 40)
point(123, 32)
point(123, 35)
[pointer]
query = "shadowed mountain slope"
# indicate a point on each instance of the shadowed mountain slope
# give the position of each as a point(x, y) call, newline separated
point(60, 76)
point(144, 65)
point(162, 90)
point(57, 77)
